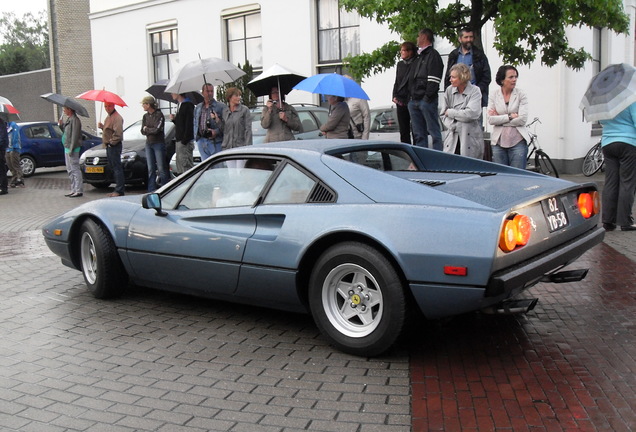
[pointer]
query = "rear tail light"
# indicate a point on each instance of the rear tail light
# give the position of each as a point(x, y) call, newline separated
point(515, 232)
point(589, 204)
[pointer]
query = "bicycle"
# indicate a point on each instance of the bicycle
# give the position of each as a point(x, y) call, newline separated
point(541, 162)
point(593, 160)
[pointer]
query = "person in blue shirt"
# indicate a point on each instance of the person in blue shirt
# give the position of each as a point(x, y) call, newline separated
point(13, 156)
point(619, 150)
point(4, 143)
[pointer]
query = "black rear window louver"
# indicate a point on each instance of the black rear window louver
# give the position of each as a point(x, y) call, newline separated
point(429, 182)
point(321, 194)
point(479, 173)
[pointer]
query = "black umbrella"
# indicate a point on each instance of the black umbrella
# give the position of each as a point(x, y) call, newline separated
point(158, 90)
point(66, 101)
point(275, 76)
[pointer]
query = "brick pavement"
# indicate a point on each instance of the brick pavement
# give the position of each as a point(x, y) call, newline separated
point(160, 361)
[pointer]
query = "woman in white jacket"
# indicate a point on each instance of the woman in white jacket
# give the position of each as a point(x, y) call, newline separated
point(461, 110)
point(508, 113)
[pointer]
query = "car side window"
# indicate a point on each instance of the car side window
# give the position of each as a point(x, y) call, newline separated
point(307, 121)
point(229, 183)
point(291, 187)
point(41, 131)
point(383, 121)
point(385, 160)
point(323, 116)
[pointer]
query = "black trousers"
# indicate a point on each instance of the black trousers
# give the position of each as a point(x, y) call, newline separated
point(620, 183)
point(404, 122)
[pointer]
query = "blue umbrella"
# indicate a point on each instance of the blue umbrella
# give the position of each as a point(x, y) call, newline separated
point(332, 84)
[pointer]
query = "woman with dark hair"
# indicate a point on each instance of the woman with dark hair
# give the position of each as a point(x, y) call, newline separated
point(339, 116)
point(461, 110)
point(508, 113)
point(408, 52)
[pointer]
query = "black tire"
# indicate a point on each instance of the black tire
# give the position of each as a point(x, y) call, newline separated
point(28, 165)
point(368, 317)
point(593, 160)
point(544, 164)
point(100, 264)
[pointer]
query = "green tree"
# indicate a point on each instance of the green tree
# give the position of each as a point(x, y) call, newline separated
point(524, 29)
point(25, 43)
point(249, 98)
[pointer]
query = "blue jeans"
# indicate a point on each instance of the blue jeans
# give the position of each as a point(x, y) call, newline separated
point(207, 147)
point(156, 160)
point(515, 156)
point(113, 152)
point(425, 122)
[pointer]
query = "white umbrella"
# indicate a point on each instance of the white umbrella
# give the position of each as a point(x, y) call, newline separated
point(194, 74)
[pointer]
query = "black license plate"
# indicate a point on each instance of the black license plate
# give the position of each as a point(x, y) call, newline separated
point(554, 213)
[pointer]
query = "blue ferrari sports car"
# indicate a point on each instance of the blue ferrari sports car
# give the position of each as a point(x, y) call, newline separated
point(354, 232)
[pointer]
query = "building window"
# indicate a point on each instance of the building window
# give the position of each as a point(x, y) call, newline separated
point(165, 53)
point(244, 39)
point(338, 35)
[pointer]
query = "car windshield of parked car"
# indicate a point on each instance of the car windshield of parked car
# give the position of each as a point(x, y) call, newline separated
point(383, 160)
point(229, 183)
point(383, 121)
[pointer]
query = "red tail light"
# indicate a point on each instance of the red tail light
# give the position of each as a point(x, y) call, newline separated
point(515, 232)
point(589, 204)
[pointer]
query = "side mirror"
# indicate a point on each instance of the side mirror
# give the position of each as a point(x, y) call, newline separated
point(153, 201)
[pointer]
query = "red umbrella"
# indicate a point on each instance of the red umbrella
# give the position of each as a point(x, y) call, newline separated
point(7, 111)
point(102, 96)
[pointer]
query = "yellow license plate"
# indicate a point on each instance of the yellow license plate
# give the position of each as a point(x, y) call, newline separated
point(95, 169)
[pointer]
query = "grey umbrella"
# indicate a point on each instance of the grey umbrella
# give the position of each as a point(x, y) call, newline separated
point(610, 92)
point(66, 101)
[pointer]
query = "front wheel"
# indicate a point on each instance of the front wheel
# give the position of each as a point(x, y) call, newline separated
point(28, 165)
point(357, 299)
point(102, 269)
point(593, 160)
point(544, 164)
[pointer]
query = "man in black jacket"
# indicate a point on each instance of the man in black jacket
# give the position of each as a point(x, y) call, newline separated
point(424, 80)
point(476, 61)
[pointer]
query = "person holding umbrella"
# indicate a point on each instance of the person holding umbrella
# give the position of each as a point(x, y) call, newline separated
point(184, 132)
point(72, 142)
point(619, 150)
point(207, 133)
point(152, 126)
point(279, 118)
point(339, 117)
point(112, 135)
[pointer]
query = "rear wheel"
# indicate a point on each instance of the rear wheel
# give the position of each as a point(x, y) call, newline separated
point(28, 165)
point(544, 164)
point(357, 299)
point(102, 269)
point(593, 160)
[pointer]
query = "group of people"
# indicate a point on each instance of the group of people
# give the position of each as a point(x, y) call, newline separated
point(468, 76)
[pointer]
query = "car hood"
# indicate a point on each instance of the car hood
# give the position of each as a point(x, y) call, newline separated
point(132, 145)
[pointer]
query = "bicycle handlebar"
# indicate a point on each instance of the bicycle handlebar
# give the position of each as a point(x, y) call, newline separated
point(536, 119)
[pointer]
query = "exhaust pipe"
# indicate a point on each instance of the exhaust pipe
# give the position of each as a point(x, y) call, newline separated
point(511, 307)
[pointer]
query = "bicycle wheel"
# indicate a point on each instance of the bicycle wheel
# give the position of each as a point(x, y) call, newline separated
point(544, 164)
point(593, 160)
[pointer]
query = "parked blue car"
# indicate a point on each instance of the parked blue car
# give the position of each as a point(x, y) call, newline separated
point(360, 234)
point(42, 145)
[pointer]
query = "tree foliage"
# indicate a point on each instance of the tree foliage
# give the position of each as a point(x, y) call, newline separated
point(25, 43)
point(524, 29)
point(249, 98)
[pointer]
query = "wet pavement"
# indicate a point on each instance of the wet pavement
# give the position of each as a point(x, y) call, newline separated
point(156, 361)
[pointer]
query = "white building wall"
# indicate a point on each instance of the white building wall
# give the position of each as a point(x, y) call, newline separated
point(121, 57)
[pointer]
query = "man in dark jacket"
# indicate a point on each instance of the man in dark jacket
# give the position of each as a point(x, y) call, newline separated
point(476, 61)
point(184, 132)
point(424, 80)
point(4, 142)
